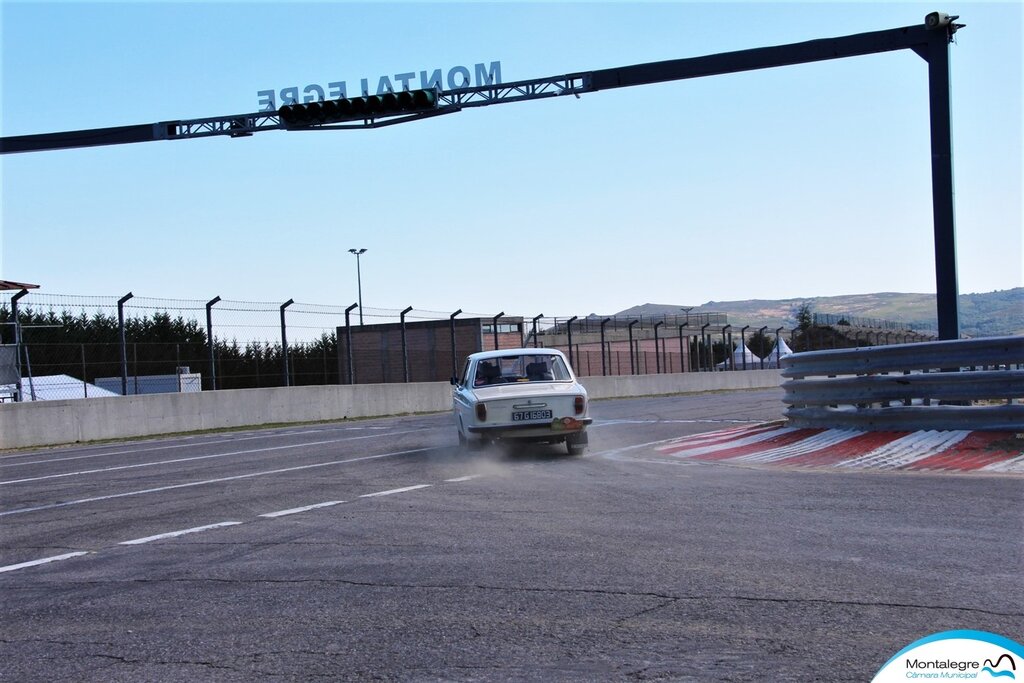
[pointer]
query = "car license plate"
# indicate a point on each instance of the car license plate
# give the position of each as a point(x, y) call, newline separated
point(530, 415)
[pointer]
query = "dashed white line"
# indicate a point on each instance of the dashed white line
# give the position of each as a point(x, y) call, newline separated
point(393, 491)
point(45, 560)
point(82, 501)
point(305, 508)
point(116, 468)
point(220, 525)
point(182, 532)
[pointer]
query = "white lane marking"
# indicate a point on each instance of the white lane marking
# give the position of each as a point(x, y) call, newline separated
point(182, 532)
point(401, 490)
point(612, 422)
point(82, 501)
point(467, 478)
point(689, 451)
point(615, 453)
point(718, 436)
point(177, 460)
point(45, 560)
point(306, 508)
point(131, 450)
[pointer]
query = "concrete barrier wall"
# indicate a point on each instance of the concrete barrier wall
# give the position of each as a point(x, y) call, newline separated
point(44, 423)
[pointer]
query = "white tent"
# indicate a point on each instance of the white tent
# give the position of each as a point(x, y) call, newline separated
point(783, 350)
point(53, 388)
point(740, 355)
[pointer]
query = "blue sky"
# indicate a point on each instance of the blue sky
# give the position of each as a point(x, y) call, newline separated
point(804, 181)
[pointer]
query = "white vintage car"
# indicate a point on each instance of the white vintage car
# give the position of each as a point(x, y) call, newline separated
point(521, 395)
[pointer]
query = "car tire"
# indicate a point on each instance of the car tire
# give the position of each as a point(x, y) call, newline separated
point(575, 445)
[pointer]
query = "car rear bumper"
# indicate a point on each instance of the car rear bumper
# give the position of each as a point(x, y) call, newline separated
point(557, 427)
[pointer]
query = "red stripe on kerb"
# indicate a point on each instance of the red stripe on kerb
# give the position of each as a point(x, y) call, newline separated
point(760, 446)
point(972, 453)
point(846, 450)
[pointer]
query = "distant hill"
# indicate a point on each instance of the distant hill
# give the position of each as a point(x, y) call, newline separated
point(991, 314)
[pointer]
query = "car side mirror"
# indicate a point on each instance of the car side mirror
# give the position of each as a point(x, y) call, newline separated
point(454, 381)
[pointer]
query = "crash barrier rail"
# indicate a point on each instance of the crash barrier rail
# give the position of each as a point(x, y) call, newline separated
point(972, 384)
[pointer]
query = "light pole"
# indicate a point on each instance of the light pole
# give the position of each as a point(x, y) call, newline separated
point(359, 280)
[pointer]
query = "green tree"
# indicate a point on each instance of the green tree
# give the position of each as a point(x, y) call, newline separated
point(804, 315)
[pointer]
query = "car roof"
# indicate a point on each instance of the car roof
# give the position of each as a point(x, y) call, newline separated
point(483, 355)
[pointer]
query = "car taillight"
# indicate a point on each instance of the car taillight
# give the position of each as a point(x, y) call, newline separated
point(481, 412)
point(580, 404)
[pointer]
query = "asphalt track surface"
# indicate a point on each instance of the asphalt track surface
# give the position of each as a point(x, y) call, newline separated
point(377, 550)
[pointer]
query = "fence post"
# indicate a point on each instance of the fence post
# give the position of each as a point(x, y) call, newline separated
point(494, 328)
point(209, 339)
point(455, 359)
point(124, 346)
point(703, 348)
point(535, 329)
point(348, 343)
point(728, 360)
point(778, 349)
point(657, 348)
point(85, 380)
point(284, 343)
point(604, 365)
point(405, 347)
point(761, 332)
point(743, 340)
point(632, 355)
point(28, 372)
point(568, 328)
point(17, 340)
point(682, 352)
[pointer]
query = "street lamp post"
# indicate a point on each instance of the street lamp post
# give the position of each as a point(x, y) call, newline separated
point(359, 280)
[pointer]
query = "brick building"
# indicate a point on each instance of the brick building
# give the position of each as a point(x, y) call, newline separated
point(377, 350)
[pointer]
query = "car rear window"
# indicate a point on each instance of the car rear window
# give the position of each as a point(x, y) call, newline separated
point(524, 368)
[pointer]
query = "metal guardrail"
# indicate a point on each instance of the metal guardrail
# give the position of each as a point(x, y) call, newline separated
point(974, 384)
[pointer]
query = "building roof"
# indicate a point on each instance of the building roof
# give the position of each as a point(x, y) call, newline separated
point(9, 284)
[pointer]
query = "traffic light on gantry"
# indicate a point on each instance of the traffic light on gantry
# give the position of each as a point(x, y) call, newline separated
point(353, 108)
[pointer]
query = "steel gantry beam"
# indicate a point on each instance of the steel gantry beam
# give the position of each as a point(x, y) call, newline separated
point(920, 38)
point(929, 40)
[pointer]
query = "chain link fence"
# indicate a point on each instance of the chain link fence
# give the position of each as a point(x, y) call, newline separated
point(81, 347)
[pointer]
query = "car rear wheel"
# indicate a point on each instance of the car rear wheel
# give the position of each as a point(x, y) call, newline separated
point(576, 444)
